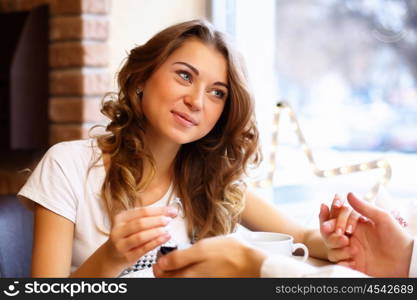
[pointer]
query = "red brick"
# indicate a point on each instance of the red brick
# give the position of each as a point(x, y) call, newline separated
point(72, 109)
point(95, 28)
point(65, 28)
point(79, 83)
point(67, 132)
point(8, 5)
point(59, 7)
point(77, 54)
point(63, 7)
point(29, 4)
point(96, 6)
point(79, 28)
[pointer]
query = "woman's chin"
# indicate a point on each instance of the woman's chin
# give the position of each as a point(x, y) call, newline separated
point(182, 139)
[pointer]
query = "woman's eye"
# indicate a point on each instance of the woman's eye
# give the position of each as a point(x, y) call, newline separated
point(185, 75)
point(219, 94)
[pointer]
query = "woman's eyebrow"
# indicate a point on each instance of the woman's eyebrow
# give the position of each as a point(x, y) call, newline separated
point(188, 65)
point(222, 84)
point(198, 73)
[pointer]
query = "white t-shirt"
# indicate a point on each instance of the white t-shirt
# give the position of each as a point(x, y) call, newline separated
point(61, 183)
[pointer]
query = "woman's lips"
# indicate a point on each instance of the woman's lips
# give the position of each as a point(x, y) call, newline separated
point(181, 120)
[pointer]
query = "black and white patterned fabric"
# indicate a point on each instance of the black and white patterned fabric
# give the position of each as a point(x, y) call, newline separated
point(145, 262)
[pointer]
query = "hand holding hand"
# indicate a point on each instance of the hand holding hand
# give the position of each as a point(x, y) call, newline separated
point(336, 225)
point(379, 247)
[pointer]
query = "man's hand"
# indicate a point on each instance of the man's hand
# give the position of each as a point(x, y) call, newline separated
point(211, 257)
point(380, 247)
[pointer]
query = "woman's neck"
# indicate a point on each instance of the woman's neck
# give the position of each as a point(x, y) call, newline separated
point(164, 153)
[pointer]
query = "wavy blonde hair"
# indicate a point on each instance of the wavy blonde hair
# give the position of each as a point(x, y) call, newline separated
point(207, 172)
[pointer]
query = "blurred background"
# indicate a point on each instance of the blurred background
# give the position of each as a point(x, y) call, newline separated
point(348, 68)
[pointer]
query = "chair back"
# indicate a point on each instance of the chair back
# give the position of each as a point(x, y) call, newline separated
point(16, 231)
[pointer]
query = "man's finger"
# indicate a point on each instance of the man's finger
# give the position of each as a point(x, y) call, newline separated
point(179, 259)
point(352, 222)
point(347, 263)
point(159, 273)
point(364, 208)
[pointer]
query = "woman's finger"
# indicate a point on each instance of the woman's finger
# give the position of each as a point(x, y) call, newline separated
point(337, 255)
point(140, 212)
point(136, 253)
point(335, 241)
point(328, 227)
point(336, 206)
point(139, 239)
point(140, 224)
point(341, 219)
point(324, 213)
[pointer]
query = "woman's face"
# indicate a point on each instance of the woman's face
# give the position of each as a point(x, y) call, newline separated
point(185, 96)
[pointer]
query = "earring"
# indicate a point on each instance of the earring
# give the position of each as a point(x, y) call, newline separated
point(138, 91)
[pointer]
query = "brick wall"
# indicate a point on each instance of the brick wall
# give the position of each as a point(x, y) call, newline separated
point(78, 59)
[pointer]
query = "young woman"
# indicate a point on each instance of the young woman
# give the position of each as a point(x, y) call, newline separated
point(181, 127)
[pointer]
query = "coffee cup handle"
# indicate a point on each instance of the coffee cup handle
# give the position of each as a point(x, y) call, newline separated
point(301, 246)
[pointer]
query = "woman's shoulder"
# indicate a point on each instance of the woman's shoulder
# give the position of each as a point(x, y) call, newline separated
point(74, 145)
point(74, 152)
point(79, 147)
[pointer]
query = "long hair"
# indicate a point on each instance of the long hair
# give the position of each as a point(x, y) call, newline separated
point(207, 172)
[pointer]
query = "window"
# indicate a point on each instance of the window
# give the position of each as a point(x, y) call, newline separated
point(348, 69)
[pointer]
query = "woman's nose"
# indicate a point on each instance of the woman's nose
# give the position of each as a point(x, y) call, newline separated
point(194, 101)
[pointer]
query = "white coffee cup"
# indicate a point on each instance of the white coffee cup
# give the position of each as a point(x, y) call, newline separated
point(275, 243)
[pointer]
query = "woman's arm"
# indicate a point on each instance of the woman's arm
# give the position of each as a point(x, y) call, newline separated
point(52, 244)
point(135, 232)
point(52, 250)
point(261, 215)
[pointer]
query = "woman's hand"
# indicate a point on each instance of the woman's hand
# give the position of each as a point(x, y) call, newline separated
point(336, 225)
point(138, 231)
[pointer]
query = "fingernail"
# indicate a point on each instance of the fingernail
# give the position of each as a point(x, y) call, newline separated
point(166, 236)
point(163, 231)
point(172, 210)
point(166, 220)
point(161, 262)
point(363, 219)
point(339, 231)
point(349, 229)
point(327, 226)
